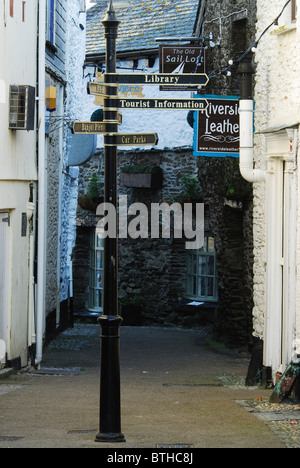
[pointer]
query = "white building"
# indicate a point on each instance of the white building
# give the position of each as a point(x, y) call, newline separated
point(18, 178)
point(41, 59)
point(276, 199)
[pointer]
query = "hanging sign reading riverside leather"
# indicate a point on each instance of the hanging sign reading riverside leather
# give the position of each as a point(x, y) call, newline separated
point(216, 130)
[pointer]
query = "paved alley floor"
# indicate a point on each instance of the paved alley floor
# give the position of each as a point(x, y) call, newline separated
point(174, 390)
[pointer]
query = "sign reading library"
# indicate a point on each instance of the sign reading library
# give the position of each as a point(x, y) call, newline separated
point(216, 130)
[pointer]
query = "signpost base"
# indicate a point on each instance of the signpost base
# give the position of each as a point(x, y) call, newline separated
point(110, 401)
point(110, 437)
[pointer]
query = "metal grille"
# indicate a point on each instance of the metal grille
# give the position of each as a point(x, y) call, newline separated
point(18, 107)
point(21, 107)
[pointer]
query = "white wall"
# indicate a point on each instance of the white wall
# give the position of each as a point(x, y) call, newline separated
point(277, 94)
point(18, 167)
point(75, 101)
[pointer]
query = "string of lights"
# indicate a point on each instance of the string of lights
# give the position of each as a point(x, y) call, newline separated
point(231, 63)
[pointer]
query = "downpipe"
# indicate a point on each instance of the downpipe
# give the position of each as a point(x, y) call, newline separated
point(42, 186)
point(246, 113)
point(247, 143)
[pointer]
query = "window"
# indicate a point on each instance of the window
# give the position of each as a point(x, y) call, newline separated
point(95, 302)
point(50, 18)
point(202, 273)
point(294, 10)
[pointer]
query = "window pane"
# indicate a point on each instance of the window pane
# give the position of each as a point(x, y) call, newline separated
point(99, 259)
point(210, 287)
point(195, 265)
point(202, 265)
point(201, 272)
point(201, 286)
point(210, 244)
point(211, 266)
point(194, 282)
point(99, 279)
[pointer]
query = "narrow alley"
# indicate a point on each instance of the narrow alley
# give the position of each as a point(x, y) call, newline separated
point(176, 390)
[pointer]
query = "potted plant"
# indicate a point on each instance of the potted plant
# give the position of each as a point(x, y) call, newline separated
point(191, 191)
point(141, 176)
point(91, 199)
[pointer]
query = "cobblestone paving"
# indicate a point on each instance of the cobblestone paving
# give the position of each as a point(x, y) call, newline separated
point(74, 339)
point(283, 419)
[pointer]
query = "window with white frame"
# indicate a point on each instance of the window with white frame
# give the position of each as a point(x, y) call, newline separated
point(50, 21)
point(202, 282)
point(95, 302)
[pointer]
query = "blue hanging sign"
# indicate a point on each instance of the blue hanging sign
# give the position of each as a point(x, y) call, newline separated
point(216, 130)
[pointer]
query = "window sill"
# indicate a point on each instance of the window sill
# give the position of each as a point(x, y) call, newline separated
point(284, 29)
point(51, 47)
point(201, 303)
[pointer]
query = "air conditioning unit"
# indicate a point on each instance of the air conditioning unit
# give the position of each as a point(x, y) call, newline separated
point(21, 107)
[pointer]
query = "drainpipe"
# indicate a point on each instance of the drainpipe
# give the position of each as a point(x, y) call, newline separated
point(246, 111)
point(42, 185)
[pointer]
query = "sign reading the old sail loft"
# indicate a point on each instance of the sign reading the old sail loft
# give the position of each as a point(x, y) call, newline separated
point(178, 59)
point(216, 130)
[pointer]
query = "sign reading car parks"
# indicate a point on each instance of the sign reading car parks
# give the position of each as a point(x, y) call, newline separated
point(134, 139)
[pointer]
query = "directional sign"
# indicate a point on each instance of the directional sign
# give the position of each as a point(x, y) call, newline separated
point(133, 139)
point(97, 89)
point(89, 127)
point(174, 79)
point(100, 89)
point(167, 104)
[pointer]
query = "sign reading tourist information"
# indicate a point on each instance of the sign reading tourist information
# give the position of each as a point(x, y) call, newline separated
point(85, 128)
point(167, 104)
point(133, 139)
point(216, 130)
point(178, 59)
point(186, 79)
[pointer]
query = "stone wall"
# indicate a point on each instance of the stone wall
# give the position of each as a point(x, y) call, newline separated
point(152, 272)
point(231, 224)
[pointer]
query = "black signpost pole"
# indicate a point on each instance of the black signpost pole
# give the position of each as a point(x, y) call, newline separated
point(110, 401)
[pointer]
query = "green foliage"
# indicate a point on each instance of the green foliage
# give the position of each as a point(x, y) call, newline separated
point(93, 186)
point(191, 191)
point(93, 189)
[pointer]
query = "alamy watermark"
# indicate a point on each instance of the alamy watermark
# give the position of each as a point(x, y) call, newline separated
point(136, 221)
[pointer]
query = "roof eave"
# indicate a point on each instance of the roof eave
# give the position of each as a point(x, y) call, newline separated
point(98, 57)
